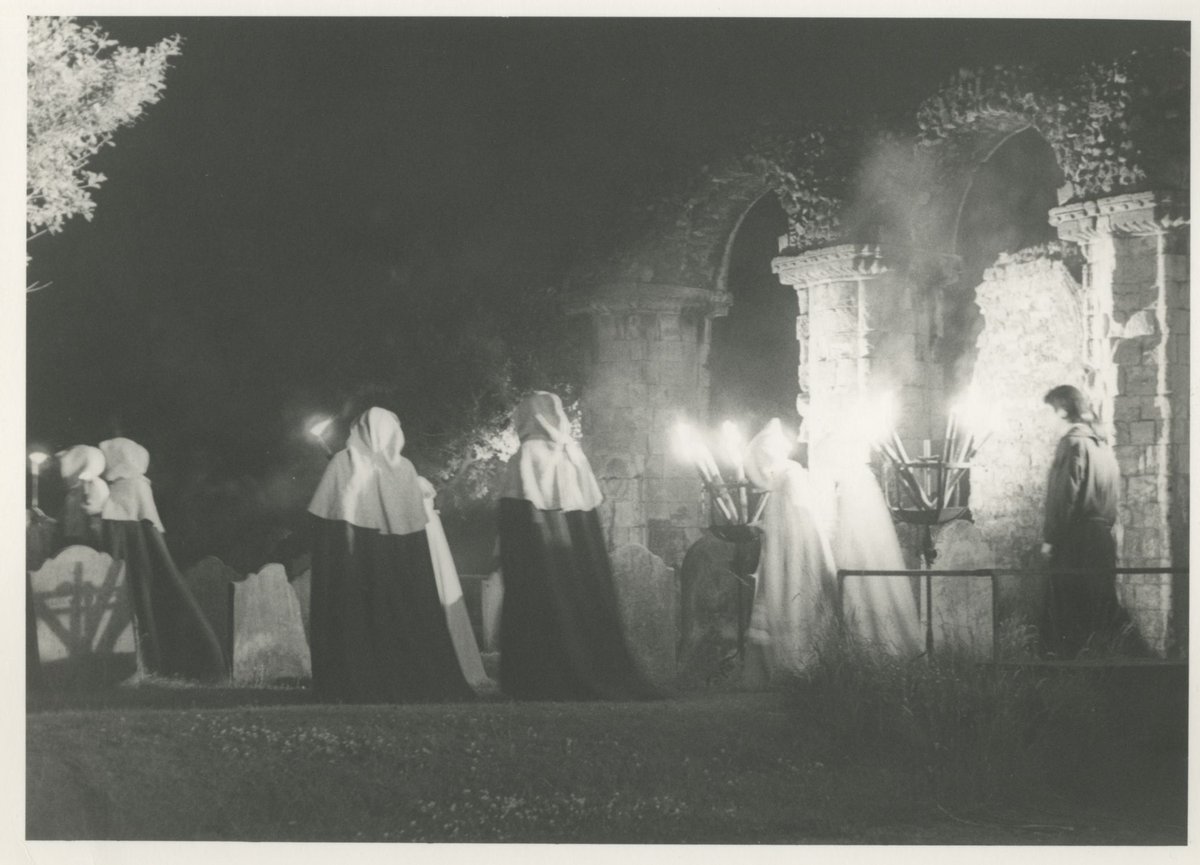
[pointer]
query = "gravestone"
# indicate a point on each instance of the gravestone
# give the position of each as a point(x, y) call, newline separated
point(210, 581)
point(269, 643)
point(83, 618)
point(647, 597)
point(708, 625)
point(302, 586)
point(491, 601)
point(962, 606)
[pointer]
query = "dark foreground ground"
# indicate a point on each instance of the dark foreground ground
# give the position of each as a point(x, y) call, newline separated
point(267, 765)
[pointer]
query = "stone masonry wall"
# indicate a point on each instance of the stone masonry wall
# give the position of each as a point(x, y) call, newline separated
point(1033, 339)
point(648, 371)
point(1150, 414)
point(1136, 246)
point(862, 329)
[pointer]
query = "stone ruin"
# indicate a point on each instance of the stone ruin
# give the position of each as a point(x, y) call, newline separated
point(997, 252)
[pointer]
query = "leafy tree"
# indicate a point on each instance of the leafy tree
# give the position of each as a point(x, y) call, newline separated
point(83, 87)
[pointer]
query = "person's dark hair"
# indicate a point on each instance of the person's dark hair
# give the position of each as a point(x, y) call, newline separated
point(1071, 400)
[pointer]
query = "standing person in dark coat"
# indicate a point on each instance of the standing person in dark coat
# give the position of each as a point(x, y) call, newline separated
point(379, 633)
point(1081, 511)
point(172, 635)
point(560, 629)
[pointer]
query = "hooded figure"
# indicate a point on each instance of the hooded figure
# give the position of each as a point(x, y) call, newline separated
point(82, 469)
point(795, 597)
point(378, 631)
point(1082, 494)
point(560, 627)
point(172, 635)
point(451, 595)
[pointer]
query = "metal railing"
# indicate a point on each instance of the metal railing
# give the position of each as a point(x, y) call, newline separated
point(994, 575)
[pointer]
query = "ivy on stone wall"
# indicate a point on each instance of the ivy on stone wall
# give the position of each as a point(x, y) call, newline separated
point(810, 174)
point(680, 236)
point(1114, 126)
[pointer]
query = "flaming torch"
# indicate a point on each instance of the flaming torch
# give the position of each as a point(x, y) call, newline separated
point(317, 431)
point(932, 480)
point(691, 448)
point(35, 466)
point(732, 499)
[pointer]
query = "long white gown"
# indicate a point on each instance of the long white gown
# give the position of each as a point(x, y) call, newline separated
point(451, 595)
point(796, 594)
point(880, 611)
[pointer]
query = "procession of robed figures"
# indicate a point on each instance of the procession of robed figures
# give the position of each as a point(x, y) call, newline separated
point(388, 618)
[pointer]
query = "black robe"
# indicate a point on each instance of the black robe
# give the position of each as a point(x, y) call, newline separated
point(379, 633)
point(173, 637)
point(561, 636)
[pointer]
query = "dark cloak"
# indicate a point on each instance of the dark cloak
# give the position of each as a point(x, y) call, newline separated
point(1081, 507)
point(173, 637)
point(379, 633)
point(561, 636)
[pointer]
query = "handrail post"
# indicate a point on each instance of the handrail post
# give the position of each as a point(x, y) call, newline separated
point(995, 621)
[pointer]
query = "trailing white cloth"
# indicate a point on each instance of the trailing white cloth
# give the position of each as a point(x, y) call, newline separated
point(549, 470)
point(451, 595)
point(129, 493)
point(879, 611)
point(369, 484)
point(795, 596)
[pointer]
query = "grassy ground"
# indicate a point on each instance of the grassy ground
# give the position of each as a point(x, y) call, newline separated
point(224, 764)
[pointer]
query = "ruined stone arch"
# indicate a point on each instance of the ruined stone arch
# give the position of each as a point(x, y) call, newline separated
point(722, 274)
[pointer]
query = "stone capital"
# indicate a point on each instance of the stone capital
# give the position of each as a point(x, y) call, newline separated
point(633, 297)
point(844, 263)
point(1136, 214)
point(853, 262)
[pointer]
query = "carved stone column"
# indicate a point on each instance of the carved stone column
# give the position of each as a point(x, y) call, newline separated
point(1138, 290)
point(648, 369)
point(865, 324)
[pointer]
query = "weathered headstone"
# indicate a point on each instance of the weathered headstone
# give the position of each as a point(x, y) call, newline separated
point(210, 581)
point(708, 632)
point(268, 632)
point(962, 606)
point(302, 586)
point(491, 600)
point(648, 598)
point(84, 618)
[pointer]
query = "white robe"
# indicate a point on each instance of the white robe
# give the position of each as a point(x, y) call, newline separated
point(880, 611)
point(795, 597)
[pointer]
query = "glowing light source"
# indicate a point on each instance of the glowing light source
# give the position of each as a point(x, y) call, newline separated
point(978, 419)
point(690, 447)
point(35, 461)
point(778, 444)
point(734, 445)
point(317, 431)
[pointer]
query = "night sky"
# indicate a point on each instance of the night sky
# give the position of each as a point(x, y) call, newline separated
point(307, 186)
